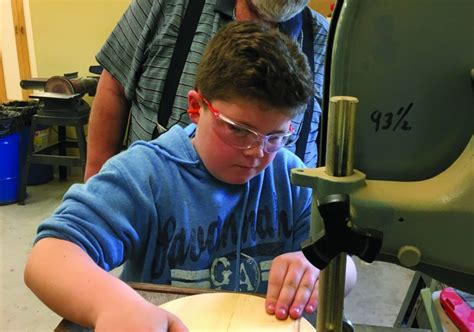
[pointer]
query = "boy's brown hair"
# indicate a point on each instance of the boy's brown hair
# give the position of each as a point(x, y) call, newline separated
point(252, 61)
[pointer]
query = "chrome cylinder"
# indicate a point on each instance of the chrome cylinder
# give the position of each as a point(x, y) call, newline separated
point(339, 162)
point(340, 138)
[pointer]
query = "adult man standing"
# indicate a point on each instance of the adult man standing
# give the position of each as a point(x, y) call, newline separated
point(136, 60)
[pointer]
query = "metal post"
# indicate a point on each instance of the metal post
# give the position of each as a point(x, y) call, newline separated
point(340, 139)
point(339, 162)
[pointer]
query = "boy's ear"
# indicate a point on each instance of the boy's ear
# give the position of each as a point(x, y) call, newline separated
point(194, 105)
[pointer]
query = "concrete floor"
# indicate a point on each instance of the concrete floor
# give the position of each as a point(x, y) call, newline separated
point(376, 299)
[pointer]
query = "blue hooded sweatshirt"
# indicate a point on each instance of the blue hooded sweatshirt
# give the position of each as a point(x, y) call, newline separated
point(156, 209)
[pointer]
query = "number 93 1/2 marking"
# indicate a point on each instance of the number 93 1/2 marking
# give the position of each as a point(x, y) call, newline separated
point(392, 120)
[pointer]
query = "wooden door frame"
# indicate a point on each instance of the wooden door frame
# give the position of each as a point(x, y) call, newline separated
point(21, 43)
point(3, 88)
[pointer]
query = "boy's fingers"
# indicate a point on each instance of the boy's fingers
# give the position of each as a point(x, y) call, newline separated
point(175, 324)
point(288, 292)
point(303, 295)
point(313, 300)
point(275, 282)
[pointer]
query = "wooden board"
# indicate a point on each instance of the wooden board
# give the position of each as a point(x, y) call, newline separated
point(230, 312)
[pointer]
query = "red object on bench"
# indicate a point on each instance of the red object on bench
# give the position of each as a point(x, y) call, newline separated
point(459, 311)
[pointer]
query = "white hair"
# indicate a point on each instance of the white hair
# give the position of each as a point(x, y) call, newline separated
point(278, 10)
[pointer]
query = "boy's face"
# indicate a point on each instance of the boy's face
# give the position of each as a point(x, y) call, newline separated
point(223, 160)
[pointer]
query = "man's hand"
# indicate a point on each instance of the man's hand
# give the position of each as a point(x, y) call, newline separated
point(292, 286)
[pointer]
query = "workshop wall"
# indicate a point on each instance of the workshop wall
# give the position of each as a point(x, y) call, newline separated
point(68, 33)
point(322, 6)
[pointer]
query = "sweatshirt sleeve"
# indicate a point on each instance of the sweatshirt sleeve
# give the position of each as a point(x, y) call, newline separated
point(109, 216)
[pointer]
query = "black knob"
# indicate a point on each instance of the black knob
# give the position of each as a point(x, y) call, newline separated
point(339, 235)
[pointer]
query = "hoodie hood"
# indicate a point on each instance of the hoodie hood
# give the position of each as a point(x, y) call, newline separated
point(175, 145)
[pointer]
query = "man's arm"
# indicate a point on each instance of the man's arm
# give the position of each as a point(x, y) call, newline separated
point(64, 277)
point(107, 123)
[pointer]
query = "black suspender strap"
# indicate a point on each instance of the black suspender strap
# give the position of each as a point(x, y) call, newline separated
point(308, 49)
point(183, 45)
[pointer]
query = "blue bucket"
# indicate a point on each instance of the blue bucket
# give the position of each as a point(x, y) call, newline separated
point(9, 168)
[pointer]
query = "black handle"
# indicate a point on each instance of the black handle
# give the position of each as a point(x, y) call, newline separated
point(33, 83)
point(340, 236)
point(96, 69)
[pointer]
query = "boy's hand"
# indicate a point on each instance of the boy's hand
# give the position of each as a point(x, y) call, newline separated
point(139, 318)
point(292, 286)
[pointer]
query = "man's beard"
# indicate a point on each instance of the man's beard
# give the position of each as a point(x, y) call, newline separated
point(277, 10)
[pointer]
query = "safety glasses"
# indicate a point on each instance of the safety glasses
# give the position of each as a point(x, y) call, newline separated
point(243, 137)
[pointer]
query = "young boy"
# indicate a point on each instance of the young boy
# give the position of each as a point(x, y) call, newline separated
point(210, 205)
